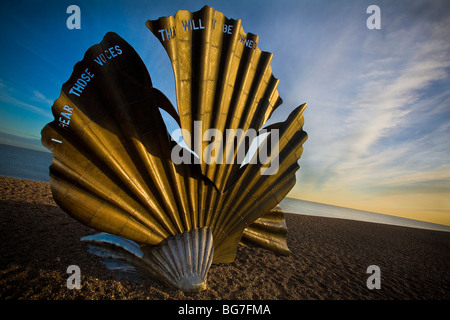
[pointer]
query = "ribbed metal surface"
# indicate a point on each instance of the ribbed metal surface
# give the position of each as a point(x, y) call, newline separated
point(112, 167)
point(184, 260)
point(222, 79)
point(181, 261)
point(268, 232)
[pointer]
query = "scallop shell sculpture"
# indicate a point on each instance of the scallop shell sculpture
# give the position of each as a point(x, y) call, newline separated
point(113, 167)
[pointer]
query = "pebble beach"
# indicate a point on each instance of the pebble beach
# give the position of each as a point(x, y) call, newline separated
point(329, 259)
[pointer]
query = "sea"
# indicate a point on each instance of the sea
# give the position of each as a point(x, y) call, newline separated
point(24, 163)
point(34, 165)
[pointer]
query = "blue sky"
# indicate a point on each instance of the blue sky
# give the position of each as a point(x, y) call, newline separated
point(378, 115)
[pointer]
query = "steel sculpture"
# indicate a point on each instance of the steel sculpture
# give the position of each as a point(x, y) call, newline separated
point(113, 165)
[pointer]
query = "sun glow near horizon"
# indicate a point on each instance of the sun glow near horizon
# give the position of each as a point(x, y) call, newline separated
point(429, 208)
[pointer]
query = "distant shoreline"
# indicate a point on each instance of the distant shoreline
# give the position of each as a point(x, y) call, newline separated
point(314, 209)
point(46, 151)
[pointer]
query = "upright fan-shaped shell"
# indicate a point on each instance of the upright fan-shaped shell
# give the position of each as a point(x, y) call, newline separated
point(222, 79)
point(112, 166)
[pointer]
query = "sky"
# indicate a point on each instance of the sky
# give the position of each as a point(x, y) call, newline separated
point(378, 115)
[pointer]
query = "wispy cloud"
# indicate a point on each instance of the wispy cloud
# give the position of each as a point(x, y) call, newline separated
point(382, 107)
point(39, 97)
point(10, 96)
point(388, 128)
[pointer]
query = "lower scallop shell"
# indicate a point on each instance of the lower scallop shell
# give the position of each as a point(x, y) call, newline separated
point(184, 260)
point(181, 261)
